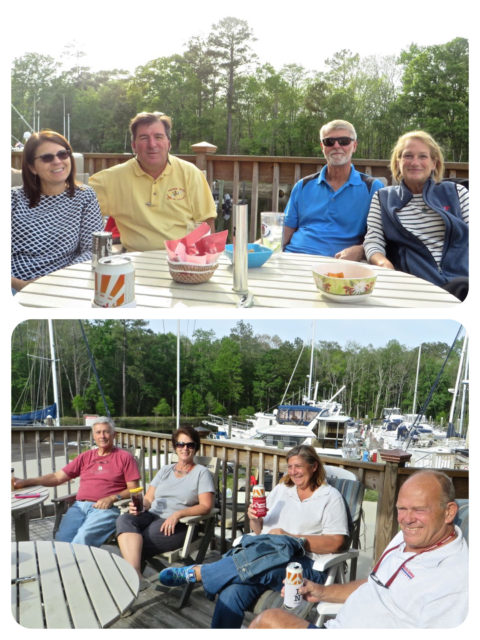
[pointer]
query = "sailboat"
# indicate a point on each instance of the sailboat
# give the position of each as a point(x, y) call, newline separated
point(47, 414)
point(430, 446)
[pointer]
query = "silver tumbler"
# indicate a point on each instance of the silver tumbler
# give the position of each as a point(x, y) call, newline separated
point(240, 248)
point(101, 246)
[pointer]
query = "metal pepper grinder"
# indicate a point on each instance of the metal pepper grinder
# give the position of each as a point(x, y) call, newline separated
point(240, 248)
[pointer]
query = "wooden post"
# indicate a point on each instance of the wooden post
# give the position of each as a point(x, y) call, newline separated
point(254, 203)
point(200, 149)
point(386, 525)
point(275, 186)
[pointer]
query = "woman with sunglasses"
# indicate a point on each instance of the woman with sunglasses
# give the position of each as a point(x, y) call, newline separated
point(53, 217)
point(305, 518)
point(181, 489)
point(420, 225)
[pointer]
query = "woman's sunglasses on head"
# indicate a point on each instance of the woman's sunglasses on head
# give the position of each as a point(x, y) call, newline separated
point(343, 141)
point(49, 157)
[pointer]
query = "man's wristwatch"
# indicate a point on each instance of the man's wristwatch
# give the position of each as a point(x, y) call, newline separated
point(118, 497)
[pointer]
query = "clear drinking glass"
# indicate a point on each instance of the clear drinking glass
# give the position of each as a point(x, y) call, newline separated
point(272, 229)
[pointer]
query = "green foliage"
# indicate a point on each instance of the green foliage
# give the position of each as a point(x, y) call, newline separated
point(217, 90)
point(238, 374)
point(162, 408)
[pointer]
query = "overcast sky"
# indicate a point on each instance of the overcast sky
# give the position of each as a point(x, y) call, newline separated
point(410, 333)
point(305, 33)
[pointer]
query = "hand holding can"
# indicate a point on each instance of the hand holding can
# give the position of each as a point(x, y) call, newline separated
point(293, 581)
point(259, 501)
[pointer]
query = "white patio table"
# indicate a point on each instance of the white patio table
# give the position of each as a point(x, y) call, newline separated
point(284, 281)
point(58, 585)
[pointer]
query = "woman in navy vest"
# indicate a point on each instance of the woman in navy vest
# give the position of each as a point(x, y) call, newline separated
point(420, 225)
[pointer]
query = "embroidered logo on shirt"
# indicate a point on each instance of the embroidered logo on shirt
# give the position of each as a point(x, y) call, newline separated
point(176, 193)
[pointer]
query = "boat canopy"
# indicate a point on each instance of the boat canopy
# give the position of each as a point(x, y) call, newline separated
point(299, 413)
point(34, 416)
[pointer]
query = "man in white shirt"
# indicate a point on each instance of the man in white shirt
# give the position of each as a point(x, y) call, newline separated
point(420, 581)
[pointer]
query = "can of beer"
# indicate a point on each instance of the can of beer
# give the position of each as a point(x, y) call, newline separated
point(293, 582)
point(114, 282)
point(259, 500)
point(101, 246)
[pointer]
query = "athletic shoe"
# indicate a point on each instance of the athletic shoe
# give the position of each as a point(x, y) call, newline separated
point(175, 576)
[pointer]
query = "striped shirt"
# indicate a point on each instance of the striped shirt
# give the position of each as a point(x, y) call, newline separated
point(424, 223)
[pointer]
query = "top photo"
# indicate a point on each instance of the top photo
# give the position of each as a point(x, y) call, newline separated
point(210, 177)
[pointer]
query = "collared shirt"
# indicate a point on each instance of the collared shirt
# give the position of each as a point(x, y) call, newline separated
point(327, 221)
point(430, 591)
point(323, 513)
point(148, 211)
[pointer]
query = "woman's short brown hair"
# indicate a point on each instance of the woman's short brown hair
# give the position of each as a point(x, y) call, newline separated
point(189, 432)
point(31, 182)
point(435, 153)
point(307, 453)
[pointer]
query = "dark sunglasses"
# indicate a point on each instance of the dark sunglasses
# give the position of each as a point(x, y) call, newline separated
point(343, 141)
point(181, 445)
point(49, 157)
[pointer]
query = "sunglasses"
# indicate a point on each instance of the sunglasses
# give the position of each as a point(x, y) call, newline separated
point(50, 157)
point(343, 141)
point(181, 445)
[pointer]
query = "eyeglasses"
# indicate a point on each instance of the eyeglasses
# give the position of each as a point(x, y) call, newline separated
point(343, 141)
point(50, 157)
point(181, 445)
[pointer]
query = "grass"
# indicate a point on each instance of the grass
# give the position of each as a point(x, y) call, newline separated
point(370, 495)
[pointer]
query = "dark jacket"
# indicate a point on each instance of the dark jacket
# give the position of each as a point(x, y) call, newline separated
point(406, 252)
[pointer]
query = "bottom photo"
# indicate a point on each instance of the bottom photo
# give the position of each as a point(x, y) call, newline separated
point(239, 474)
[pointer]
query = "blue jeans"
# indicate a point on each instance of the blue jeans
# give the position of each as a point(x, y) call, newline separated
point(83, 524)
point(236, 596)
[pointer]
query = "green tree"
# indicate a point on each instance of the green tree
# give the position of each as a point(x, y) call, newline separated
point(162, 408)
point(229, 44)
point(435, 93)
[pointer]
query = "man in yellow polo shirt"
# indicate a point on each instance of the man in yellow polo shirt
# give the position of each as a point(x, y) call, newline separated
point(155, 196)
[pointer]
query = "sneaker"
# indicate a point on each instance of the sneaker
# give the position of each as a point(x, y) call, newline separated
point(175, 576)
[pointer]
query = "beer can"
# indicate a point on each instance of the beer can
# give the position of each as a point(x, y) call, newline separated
point(101, 246)
point(114, 282)
point(293, 582)
point(259, 500)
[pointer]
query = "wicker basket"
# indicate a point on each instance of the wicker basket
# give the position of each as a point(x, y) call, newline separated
point(190, 273)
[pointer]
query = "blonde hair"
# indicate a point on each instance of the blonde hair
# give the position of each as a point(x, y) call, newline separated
point(435, 153)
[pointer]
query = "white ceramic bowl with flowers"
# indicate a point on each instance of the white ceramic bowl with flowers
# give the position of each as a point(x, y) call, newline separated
point(344, 280)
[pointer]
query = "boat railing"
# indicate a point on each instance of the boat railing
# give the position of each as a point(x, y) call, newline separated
point(43, 449)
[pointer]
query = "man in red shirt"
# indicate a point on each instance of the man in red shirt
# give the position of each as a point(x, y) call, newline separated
point(106, 475)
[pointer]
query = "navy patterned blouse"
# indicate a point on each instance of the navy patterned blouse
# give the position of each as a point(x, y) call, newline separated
point(55, 233)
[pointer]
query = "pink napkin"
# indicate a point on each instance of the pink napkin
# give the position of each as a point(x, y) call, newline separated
point(199, 247)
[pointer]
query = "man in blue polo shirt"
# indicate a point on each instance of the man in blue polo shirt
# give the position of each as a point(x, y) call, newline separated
point(327, 211)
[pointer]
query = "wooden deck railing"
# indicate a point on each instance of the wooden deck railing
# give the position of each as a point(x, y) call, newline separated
point(257, 177)
point(239, 462)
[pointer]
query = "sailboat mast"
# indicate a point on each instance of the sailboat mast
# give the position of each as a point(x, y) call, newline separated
point(414, 410)
point(54, 372)
point(451, 429)
point(311, 362)
point(178, 374)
